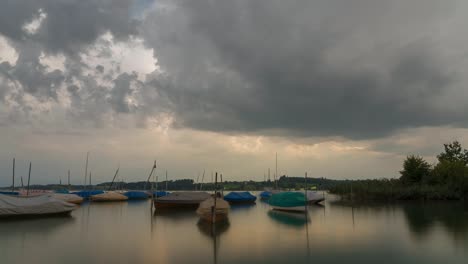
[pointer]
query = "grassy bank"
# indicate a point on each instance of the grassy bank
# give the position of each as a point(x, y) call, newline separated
point(391, 190)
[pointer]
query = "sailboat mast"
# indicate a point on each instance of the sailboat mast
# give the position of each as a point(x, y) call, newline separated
point(305, 192)
point(86, 170)
point(213, 208)
point(166, 180)
point(276, 171)
point(29, 178)
point(13, 184)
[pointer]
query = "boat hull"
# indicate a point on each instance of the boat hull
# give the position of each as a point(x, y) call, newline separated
point(242, 202)
point(316, 201)
point(176, 204)
point(11, 206)
point(108, 197)
point(289, 209)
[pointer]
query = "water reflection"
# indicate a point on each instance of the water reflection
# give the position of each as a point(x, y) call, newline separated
point(213, 231)
point(133, 233)
point(243, 207)
point(422, 218)
point(297, 220)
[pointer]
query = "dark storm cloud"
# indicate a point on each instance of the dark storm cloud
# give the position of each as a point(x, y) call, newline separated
point(350, 68)
point(69, 25)
point(287, 67)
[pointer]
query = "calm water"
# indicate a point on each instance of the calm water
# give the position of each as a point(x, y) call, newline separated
point(335, 233)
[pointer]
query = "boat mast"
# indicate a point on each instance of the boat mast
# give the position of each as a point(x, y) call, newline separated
point(213, 208)
point(151, 173)
point(112, 183)
point(202, 180)
point(13, 185)
point(68, 179)
point(86, 170)
point(29, 178)
point(305, 193)
point(166, 180)
point(276, 171)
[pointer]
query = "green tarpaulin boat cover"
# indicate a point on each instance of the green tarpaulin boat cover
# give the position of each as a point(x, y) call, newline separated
point(287, 199)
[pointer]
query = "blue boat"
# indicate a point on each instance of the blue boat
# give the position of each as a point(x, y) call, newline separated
point(136, 195)
point(265, 195)
point(240, 197)
point(9, 193)
point(86, 194)
point(160, 193)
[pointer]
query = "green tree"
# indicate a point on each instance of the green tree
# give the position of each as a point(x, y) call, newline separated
point(415, 168)
point(454, 153)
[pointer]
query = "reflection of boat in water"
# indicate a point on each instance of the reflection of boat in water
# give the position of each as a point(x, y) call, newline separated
point(242, 206)
point(213, 229)
point(213, 210)
point(288, 201)
point(290, 219)
point(35, 206)
point(181, 200)
point(174, 214)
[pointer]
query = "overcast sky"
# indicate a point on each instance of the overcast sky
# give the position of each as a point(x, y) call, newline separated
point(343, 89)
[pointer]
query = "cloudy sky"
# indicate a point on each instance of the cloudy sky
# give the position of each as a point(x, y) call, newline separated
point(338, 88)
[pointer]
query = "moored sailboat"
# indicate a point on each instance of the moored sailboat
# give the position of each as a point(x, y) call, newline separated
point(288, 201)
point(110, 196)
point(181, 200)
point(240, 197)
point(43, 205)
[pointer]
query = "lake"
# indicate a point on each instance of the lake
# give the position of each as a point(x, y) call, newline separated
point(128, 232)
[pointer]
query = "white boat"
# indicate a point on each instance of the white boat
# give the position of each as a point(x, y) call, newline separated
point(211, 212)
point(67, 197)
point(108, 197)
point(16, 206)
point(314, 197)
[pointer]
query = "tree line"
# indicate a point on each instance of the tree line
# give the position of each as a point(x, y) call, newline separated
point(447, 179)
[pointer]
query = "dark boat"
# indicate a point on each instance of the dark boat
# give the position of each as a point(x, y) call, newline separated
point(181, 200)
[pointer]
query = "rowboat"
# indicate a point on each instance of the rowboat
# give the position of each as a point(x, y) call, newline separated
point(213, 210)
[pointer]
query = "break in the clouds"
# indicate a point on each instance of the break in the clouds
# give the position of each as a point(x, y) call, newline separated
point(357, 73)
